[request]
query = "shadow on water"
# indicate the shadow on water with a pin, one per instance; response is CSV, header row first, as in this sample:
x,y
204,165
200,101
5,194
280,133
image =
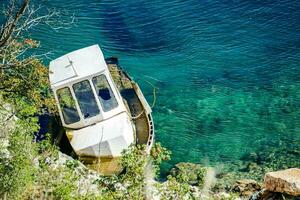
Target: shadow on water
x,y
133,27
51,125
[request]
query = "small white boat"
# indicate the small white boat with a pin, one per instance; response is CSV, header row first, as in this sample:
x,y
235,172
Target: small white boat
x,y
102,109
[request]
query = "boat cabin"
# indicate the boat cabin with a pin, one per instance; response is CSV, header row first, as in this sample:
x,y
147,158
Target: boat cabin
x,y
90,106
84,89
102,109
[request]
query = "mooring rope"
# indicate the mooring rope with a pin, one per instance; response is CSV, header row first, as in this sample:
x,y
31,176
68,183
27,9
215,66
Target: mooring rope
x,y
153,102
154,93
136,117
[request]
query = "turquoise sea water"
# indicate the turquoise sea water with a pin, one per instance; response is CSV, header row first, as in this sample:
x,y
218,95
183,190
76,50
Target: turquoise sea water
x,y
227,73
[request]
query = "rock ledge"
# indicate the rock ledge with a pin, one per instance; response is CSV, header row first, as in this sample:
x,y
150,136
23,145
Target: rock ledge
x,y
285,181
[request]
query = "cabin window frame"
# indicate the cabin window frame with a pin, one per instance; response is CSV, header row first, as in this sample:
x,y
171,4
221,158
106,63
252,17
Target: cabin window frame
x,y
102,115
111,93
62,109
81,109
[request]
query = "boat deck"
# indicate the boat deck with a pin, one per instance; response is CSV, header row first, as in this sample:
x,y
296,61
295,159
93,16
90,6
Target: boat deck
x,y
139,110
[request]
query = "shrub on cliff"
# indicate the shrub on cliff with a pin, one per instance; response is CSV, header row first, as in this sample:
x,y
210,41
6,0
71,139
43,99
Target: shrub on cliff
x,y
190,173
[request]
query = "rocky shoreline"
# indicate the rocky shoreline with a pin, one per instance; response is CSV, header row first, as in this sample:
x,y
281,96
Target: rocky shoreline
x,y
204,183
283,184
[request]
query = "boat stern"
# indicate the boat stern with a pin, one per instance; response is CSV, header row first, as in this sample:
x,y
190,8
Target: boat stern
x,y
106,139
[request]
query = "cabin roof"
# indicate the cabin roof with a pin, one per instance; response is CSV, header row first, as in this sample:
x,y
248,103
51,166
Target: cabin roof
x,y
77,64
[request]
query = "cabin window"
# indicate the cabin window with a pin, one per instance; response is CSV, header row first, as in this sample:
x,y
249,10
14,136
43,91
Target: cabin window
x,y
67,105
86,99
104,92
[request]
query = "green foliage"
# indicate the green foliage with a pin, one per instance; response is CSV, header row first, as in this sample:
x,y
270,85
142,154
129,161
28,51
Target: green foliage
x,y
131,182
23,76
26,79
28,172
60,182
133,161
190,173
159,154
17,171
231,196
72,164
174,190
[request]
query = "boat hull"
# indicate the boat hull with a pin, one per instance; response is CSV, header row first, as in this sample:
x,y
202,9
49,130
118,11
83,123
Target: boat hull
x,y
137,104
138,112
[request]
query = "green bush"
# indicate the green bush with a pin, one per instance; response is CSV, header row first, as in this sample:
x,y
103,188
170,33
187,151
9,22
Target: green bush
x,y
17,171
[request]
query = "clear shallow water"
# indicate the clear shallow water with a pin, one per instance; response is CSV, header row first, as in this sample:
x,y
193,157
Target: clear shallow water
x,y
227,72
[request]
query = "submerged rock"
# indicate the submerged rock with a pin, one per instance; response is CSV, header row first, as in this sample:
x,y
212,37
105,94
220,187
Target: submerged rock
x,y
252,157
285,181
252,166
